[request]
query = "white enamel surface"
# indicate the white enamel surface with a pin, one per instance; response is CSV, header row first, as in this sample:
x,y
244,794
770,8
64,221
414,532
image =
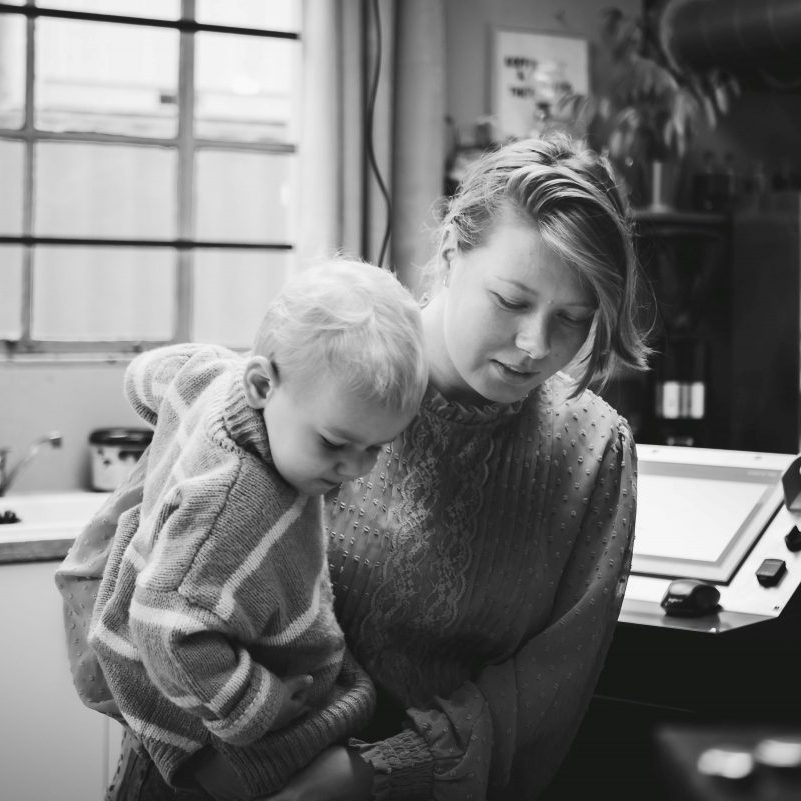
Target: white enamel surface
x,y
48,515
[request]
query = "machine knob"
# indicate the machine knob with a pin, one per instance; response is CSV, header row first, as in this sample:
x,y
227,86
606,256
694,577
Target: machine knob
x,y
793,539
771,572
690,598
791,484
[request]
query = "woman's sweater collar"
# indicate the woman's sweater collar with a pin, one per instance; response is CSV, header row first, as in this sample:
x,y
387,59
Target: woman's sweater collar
x,y
464,413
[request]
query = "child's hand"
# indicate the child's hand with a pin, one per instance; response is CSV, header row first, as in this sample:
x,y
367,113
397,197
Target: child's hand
x,y
297,688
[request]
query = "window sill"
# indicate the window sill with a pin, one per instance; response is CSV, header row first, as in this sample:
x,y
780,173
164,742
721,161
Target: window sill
x,y
39,359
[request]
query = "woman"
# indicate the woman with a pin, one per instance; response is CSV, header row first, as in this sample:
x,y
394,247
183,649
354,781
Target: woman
x,y
480,568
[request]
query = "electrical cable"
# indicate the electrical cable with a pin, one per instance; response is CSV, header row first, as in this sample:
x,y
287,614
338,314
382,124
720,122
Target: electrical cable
x,y
370,112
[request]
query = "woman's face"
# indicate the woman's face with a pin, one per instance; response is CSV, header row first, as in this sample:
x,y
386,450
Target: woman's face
x,y
511,315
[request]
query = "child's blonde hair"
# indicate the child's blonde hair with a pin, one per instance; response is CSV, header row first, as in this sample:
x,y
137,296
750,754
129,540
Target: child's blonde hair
x,y
354,321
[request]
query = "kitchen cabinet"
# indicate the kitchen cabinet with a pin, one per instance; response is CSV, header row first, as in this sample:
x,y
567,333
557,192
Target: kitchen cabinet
x,y
52,748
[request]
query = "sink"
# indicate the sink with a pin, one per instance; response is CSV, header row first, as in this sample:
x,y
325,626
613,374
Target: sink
x,y
48,515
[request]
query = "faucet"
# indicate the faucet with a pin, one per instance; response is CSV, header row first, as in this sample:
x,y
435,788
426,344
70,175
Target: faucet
x,y
8,475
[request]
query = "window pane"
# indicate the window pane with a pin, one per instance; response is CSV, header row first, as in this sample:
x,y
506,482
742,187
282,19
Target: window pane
x,y
246,87
103,293
12,160
94,76
275,15
158,9
105,190
232,292
12,70
243,196
10,291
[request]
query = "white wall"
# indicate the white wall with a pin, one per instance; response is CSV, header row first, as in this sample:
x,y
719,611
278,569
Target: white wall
x,y
469,25
73,399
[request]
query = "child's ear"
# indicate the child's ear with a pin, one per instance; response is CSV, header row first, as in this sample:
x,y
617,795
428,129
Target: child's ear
x,y
260,379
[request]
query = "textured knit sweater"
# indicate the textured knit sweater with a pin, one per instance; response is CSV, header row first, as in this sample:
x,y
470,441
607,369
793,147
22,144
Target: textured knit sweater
x,y
217,585
478,573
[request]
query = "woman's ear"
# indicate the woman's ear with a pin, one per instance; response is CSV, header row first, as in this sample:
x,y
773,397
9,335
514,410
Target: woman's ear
x,y
448,246
260,379
447,253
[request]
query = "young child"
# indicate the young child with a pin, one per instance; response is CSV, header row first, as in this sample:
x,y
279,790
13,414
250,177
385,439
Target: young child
x,y
213,624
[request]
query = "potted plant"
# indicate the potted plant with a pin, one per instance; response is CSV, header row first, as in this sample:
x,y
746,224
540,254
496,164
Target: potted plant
x,y
646,110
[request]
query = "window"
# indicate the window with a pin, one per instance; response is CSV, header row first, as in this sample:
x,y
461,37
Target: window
x,y
148,157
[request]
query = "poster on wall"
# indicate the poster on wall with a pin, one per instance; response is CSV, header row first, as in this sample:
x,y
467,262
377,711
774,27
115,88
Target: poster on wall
x,y
530,71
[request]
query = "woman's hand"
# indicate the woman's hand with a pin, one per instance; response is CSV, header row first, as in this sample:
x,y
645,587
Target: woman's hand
x,y
337,774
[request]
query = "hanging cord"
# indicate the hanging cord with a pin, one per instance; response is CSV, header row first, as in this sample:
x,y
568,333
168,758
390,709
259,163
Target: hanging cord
x,y
371,159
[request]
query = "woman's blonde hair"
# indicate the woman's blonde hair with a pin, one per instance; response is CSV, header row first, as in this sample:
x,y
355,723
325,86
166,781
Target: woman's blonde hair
x,y
571,195
353,321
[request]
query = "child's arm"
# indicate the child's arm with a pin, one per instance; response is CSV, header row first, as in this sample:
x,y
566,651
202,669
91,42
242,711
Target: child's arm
x,y
192,656
189,629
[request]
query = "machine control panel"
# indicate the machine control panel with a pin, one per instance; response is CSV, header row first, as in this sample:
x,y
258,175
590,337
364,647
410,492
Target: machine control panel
x,y
717,541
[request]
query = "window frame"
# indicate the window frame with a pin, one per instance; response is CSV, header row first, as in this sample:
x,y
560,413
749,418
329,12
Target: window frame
x,y
185,143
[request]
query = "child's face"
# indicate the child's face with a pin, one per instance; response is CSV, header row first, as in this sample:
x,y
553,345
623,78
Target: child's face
x,y
321,434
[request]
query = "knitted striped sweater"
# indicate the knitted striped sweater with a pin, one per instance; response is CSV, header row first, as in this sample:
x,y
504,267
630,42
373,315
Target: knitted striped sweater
x,y
216,585
478,573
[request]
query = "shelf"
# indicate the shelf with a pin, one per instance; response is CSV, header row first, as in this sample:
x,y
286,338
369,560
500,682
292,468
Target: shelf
x,y
680,223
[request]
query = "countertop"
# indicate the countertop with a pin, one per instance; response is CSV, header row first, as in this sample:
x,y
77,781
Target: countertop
x,y
34,550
